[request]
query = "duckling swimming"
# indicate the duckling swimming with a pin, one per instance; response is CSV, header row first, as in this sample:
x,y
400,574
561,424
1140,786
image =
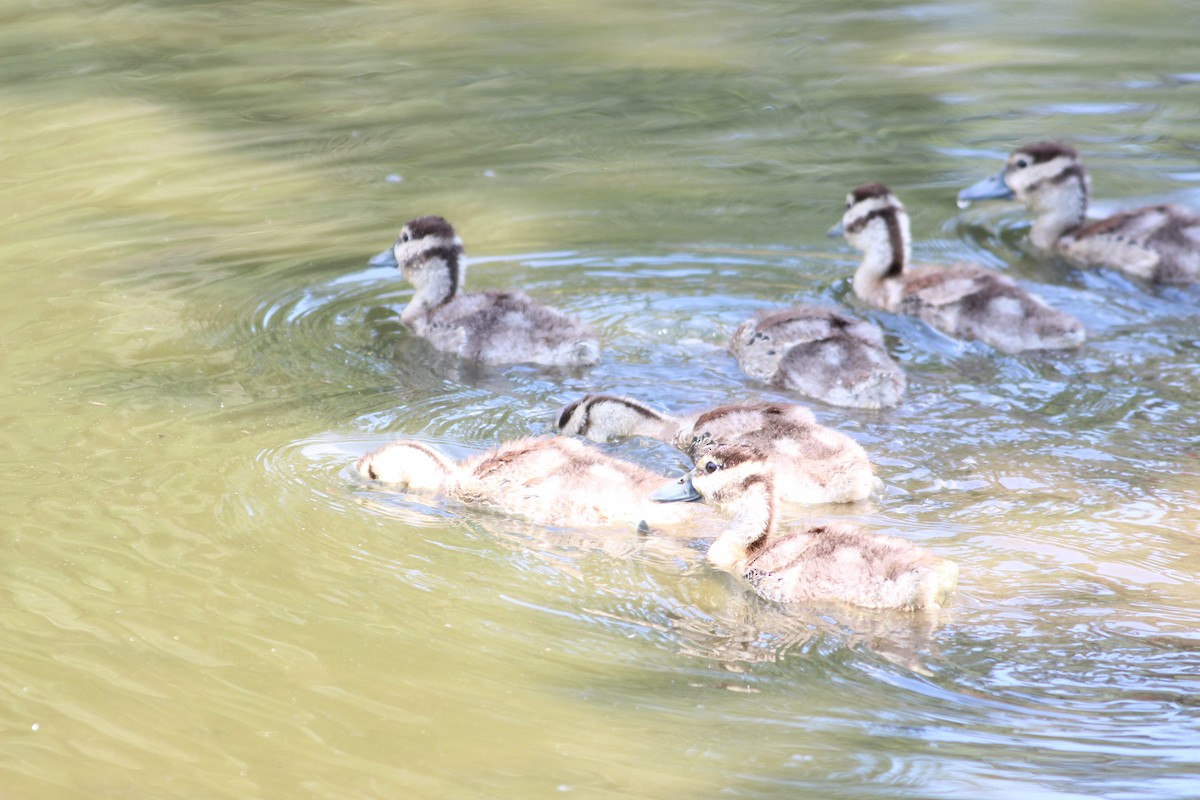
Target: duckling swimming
x,y
494,327
820,353
813,464
1156,243
965,301
548,481
833,561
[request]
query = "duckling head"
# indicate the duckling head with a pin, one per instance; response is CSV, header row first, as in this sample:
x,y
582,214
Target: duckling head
x,y
1046,177
875,222
429,255
737,480
412,466
601,417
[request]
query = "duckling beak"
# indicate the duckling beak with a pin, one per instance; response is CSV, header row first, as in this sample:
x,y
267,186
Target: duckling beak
x,y
836,231
993,188
677,491
385,259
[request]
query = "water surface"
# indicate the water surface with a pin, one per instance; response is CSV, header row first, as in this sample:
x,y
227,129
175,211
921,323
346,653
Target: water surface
x,y
199,599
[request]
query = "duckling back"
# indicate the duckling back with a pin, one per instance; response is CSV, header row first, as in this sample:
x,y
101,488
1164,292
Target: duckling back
x,y
971,303
821,354
505,327
812,463
842,562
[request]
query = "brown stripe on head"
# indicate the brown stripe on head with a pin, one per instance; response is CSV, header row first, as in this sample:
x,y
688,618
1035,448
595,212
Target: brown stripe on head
x,y
731,455
1041,152
423,227
449,254
569,411
1074,171
768,484
869,190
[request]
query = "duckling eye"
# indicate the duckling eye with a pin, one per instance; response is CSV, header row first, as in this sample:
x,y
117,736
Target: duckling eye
x,y
712,466
1021,163
404,236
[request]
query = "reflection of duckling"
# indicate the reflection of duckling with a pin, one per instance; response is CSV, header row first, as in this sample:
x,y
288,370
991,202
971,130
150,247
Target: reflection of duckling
x,y
1156,243
834,561
495,327
552,481
814,464
965,301
820,353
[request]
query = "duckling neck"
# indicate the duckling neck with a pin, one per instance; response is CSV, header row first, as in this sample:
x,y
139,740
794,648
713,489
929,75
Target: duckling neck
x,y
875,280
437,280
752,524
1059,212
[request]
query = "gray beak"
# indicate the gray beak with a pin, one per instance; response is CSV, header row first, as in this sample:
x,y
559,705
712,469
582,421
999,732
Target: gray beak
x,y
836,231
993,188
385,259
677,491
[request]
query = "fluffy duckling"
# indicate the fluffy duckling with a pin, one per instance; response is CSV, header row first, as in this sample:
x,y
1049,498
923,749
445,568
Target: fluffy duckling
x,y
965,301
813,464
829,562
822,354
548,481
494,327
1156,243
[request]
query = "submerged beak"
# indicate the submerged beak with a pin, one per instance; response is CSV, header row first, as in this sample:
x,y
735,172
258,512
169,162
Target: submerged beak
x,y
385,259
677,491
836,231
993,188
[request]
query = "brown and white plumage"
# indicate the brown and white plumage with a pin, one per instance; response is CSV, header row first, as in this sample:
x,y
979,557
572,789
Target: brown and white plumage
x,y
827,562
1158,243
494,327
813,463
548,481
820,353
965,301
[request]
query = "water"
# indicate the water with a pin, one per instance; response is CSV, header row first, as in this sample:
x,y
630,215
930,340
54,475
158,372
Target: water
x,y
200,600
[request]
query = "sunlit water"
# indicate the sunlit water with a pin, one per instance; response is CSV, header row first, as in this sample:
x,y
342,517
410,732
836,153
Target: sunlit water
x,y
200,598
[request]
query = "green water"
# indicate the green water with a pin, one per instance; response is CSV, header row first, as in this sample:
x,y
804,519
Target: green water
x,y
198,599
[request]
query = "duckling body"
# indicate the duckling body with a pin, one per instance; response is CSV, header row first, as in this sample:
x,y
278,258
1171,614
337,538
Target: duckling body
x,y
813,463
493,327
548,481
1158,243
965,301
829,562
822,354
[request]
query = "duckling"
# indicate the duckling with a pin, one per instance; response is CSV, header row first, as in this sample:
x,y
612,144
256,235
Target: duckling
x,y
1159,243
828,562
548,481
965,301
819,353
494,327
814,464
